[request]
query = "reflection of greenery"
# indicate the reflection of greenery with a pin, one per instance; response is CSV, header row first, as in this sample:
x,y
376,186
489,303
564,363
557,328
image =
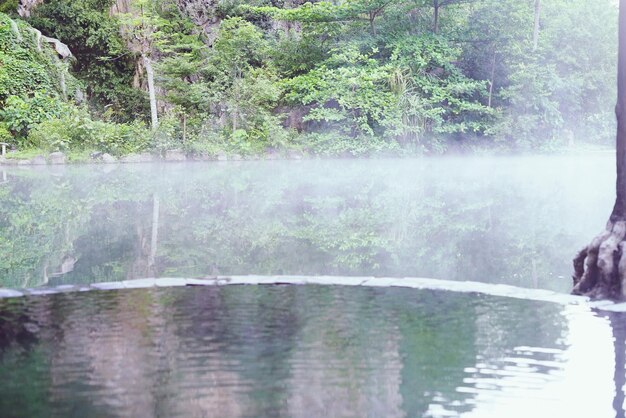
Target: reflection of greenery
x,y
360,218
23,395
359,350
38,225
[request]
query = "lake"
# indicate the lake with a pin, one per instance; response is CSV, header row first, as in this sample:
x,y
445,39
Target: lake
x,y
514,220
309,351
305,351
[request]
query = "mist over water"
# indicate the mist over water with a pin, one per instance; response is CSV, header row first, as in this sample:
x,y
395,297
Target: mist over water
x,y
310,351
515,220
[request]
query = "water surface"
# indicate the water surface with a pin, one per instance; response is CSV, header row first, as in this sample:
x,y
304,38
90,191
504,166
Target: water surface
x,y
515,220
306,351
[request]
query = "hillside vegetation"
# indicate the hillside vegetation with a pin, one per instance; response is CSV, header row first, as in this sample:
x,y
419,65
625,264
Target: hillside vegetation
x,y
350,77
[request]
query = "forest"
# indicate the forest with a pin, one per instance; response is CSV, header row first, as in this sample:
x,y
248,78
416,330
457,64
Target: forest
x,y
281,77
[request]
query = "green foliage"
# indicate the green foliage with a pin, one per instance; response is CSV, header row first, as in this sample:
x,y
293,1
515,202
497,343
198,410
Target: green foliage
x,y
8,6
231,85
184,59
5,133
563,89
103,59
434,94
354,77
417,91
330,144
349,95
168,135
24,68
20,115
325,11
76,130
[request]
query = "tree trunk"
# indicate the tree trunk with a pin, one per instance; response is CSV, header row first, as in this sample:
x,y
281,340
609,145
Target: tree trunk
x,y
536,30
619,210
493,76
152,92
184,127
372,16
436,16
155,230
599,268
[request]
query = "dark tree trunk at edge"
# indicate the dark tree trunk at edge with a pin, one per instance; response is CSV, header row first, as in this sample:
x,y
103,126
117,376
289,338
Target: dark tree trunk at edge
x,y
619,211
600,268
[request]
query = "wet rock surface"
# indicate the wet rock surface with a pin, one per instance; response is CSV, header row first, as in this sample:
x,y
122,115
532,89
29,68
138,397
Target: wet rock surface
x,y
57,158
108,158
39,160
137,158
409,282
175,155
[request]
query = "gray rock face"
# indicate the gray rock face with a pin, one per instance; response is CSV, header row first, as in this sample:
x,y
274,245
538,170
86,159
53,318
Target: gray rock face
x,y
8,161
25,7
294,155
202,13
39,160
61,49
175,155
120,7
202,157
57,158
108,158
272,155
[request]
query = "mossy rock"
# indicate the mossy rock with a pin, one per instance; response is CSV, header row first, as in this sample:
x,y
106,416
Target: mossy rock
x,y
26,67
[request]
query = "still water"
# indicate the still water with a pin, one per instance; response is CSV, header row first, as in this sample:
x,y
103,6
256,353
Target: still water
x,y
515,220
306,351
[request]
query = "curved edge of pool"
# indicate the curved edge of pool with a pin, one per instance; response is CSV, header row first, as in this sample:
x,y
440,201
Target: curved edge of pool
x,y
406,282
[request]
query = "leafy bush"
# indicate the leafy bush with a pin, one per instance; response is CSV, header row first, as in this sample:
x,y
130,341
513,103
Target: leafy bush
x,y
76,130
25,67
330,145
19,114
103,59
168,135
5,134
8,6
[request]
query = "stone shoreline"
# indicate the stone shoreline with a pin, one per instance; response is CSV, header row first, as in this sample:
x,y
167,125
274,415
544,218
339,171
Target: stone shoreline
x,y
408,282
59,158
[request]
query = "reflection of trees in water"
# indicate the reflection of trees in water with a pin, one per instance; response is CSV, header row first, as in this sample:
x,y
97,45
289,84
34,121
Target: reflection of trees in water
x,y
356,218
261,351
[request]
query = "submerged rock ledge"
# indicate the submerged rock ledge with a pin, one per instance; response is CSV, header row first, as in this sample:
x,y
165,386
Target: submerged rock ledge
x,y
407,282
169,156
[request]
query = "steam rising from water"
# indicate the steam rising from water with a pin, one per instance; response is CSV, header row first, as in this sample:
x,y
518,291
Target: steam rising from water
x,y
514,220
